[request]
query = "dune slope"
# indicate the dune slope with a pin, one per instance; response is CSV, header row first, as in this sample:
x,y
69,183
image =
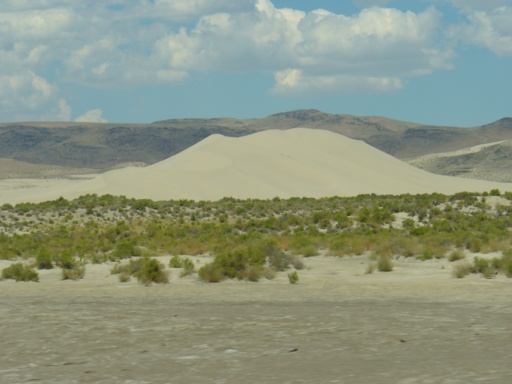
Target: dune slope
x,y
297,162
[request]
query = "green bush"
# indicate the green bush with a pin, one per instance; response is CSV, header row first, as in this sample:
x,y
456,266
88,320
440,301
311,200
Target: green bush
x,y
20,272
253,273
427,254
125,249
188,267
151,271
76,272
65,260
277,259
480,265
211,273
132,268
293,277
176,262
44,259
246,262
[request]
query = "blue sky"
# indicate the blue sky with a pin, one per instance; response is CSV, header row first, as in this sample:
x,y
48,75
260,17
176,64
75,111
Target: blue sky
x,y
431,61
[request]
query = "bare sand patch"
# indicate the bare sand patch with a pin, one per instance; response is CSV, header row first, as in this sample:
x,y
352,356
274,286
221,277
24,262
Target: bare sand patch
x,y
298,162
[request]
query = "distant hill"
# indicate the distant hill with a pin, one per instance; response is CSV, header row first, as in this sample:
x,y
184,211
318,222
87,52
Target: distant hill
x,y
104,146
487,162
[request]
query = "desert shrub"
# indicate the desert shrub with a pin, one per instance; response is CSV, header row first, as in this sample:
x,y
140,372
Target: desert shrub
x,y
211,273
125,249
338,247
151,271
247,262
432,252
253,273
20,272
65,260
117,269
461,269
496,265
293,277
304,245
456,255
176,262
507,268
384,264
505,264
278,260
44,260
233,264
131,268
98,258
125,271
76,272
188,267
427,254
474,245
489,272
480,265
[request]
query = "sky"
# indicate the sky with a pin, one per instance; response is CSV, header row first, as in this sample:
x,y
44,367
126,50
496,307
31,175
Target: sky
x,y
444,62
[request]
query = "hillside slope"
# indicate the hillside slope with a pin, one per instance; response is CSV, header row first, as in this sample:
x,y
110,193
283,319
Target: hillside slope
x,y
487,162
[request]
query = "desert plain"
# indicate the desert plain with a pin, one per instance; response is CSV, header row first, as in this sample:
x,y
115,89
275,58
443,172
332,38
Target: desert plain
x,y
339,324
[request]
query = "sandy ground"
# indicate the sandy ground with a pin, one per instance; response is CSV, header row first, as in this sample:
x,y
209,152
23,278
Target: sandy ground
x,y
290,163
416,324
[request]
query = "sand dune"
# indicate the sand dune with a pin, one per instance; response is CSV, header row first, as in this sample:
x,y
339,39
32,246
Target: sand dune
x,y
296,162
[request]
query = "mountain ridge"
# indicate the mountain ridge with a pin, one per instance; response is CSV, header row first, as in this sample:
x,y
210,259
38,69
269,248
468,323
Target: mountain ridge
x,y
102,146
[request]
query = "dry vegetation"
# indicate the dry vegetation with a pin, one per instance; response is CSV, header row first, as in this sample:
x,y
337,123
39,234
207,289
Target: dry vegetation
x,y
254,239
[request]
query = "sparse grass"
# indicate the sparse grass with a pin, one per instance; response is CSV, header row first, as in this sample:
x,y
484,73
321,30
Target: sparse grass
x,y
20,272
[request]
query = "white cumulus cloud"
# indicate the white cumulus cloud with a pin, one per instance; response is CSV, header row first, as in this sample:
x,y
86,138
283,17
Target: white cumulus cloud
x,y
491,29
23,94
376,48
45,44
